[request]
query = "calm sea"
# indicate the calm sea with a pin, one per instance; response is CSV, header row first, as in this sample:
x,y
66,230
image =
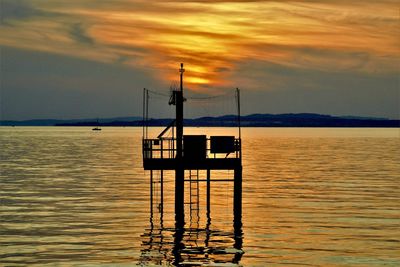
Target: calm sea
x,y
311,197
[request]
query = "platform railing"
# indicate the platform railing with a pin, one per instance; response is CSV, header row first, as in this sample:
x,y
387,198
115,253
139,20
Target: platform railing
x,y
165,148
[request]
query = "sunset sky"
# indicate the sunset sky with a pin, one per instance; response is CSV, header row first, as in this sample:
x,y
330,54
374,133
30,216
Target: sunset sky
x,y
92,58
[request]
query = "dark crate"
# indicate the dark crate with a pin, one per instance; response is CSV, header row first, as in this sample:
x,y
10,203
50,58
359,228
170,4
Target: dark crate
x,y
194,147
222,144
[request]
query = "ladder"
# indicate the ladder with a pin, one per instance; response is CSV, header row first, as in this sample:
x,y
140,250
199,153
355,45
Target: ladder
x,y
193,233
194,195
156,191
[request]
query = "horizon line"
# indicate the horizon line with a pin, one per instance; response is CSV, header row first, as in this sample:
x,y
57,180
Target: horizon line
x,y
198,117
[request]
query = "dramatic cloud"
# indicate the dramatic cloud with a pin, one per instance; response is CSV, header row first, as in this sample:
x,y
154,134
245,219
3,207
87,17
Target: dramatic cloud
x,y
215,39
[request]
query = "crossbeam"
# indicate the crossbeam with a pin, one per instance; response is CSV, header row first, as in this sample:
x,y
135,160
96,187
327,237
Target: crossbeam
x,y
213,180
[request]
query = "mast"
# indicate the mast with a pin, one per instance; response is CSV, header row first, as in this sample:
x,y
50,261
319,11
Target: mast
x,y
238,111
179,115
179,170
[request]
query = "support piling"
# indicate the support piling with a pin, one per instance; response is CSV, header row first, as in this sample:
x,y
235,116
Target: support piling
x,y
237,197
208,191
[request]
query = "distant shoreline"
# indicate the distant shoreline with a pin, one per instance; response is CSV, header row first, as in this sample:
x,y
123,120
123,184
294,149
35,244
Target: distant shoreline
x,y
301,120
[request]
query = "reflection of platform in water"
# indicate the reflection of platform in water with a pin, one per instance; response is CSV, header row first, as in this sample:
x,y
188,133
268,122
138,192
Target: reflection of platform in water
x,y
192,246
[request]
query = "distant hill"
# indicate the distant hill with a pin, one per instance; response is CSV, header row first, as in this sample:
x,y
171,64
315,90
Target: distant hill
x,y
253,120
53,122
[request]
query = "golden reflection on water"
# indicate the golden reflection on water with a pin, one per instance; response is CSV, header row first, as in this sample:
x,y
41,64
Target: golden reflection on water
x,y
323,197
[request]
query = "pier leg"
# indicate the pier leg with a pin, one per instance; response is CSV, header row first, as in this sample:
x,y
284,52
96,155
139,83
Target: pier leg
x,y
208,233
179,170
179,197
237,221
208,192
178,246
238,237
237,198
151,191
162,191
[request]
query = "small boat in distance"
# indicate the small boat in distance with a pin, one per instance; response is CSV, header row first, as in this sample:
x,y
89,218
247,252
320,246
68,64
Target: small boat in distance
x,y
97,128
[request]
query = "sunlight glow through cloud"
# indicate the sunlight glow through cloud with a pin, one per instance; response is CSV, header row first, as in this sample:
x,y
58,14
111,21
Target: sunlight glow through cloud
x,y
212,37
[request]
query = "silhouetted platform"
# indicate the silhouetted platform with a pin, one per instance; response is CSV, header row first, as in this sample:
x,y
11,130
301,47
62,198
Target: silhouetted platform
x,y
200,153
187,154
206,164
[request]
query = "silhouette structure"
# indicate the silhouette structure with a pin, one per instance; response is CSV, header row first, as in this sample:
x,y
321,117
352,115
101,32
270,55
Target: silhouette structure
x,y
188,154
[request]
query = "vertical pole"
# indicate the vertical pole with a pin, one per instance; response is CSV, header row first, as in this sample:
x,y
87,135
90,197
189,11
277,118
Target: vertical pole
x,y
162,191
208,192
237,187
178,246
147,112
179,115
239,124
179,170
238,237
151,191
173,143
237,197
161,147
238,109
144,152
237,221
144,108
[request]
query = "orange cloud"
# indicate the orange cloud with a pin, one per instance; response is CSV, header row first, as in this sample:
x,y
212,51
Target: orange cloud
x,y
211,37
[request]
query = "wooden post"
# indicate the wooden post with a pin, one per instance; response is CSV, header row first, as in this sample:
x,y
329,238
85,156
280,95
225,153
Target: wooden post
x,y
178,246
208,191
238,237
144,111
179,170
237,197
161,148
151,191
162,191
